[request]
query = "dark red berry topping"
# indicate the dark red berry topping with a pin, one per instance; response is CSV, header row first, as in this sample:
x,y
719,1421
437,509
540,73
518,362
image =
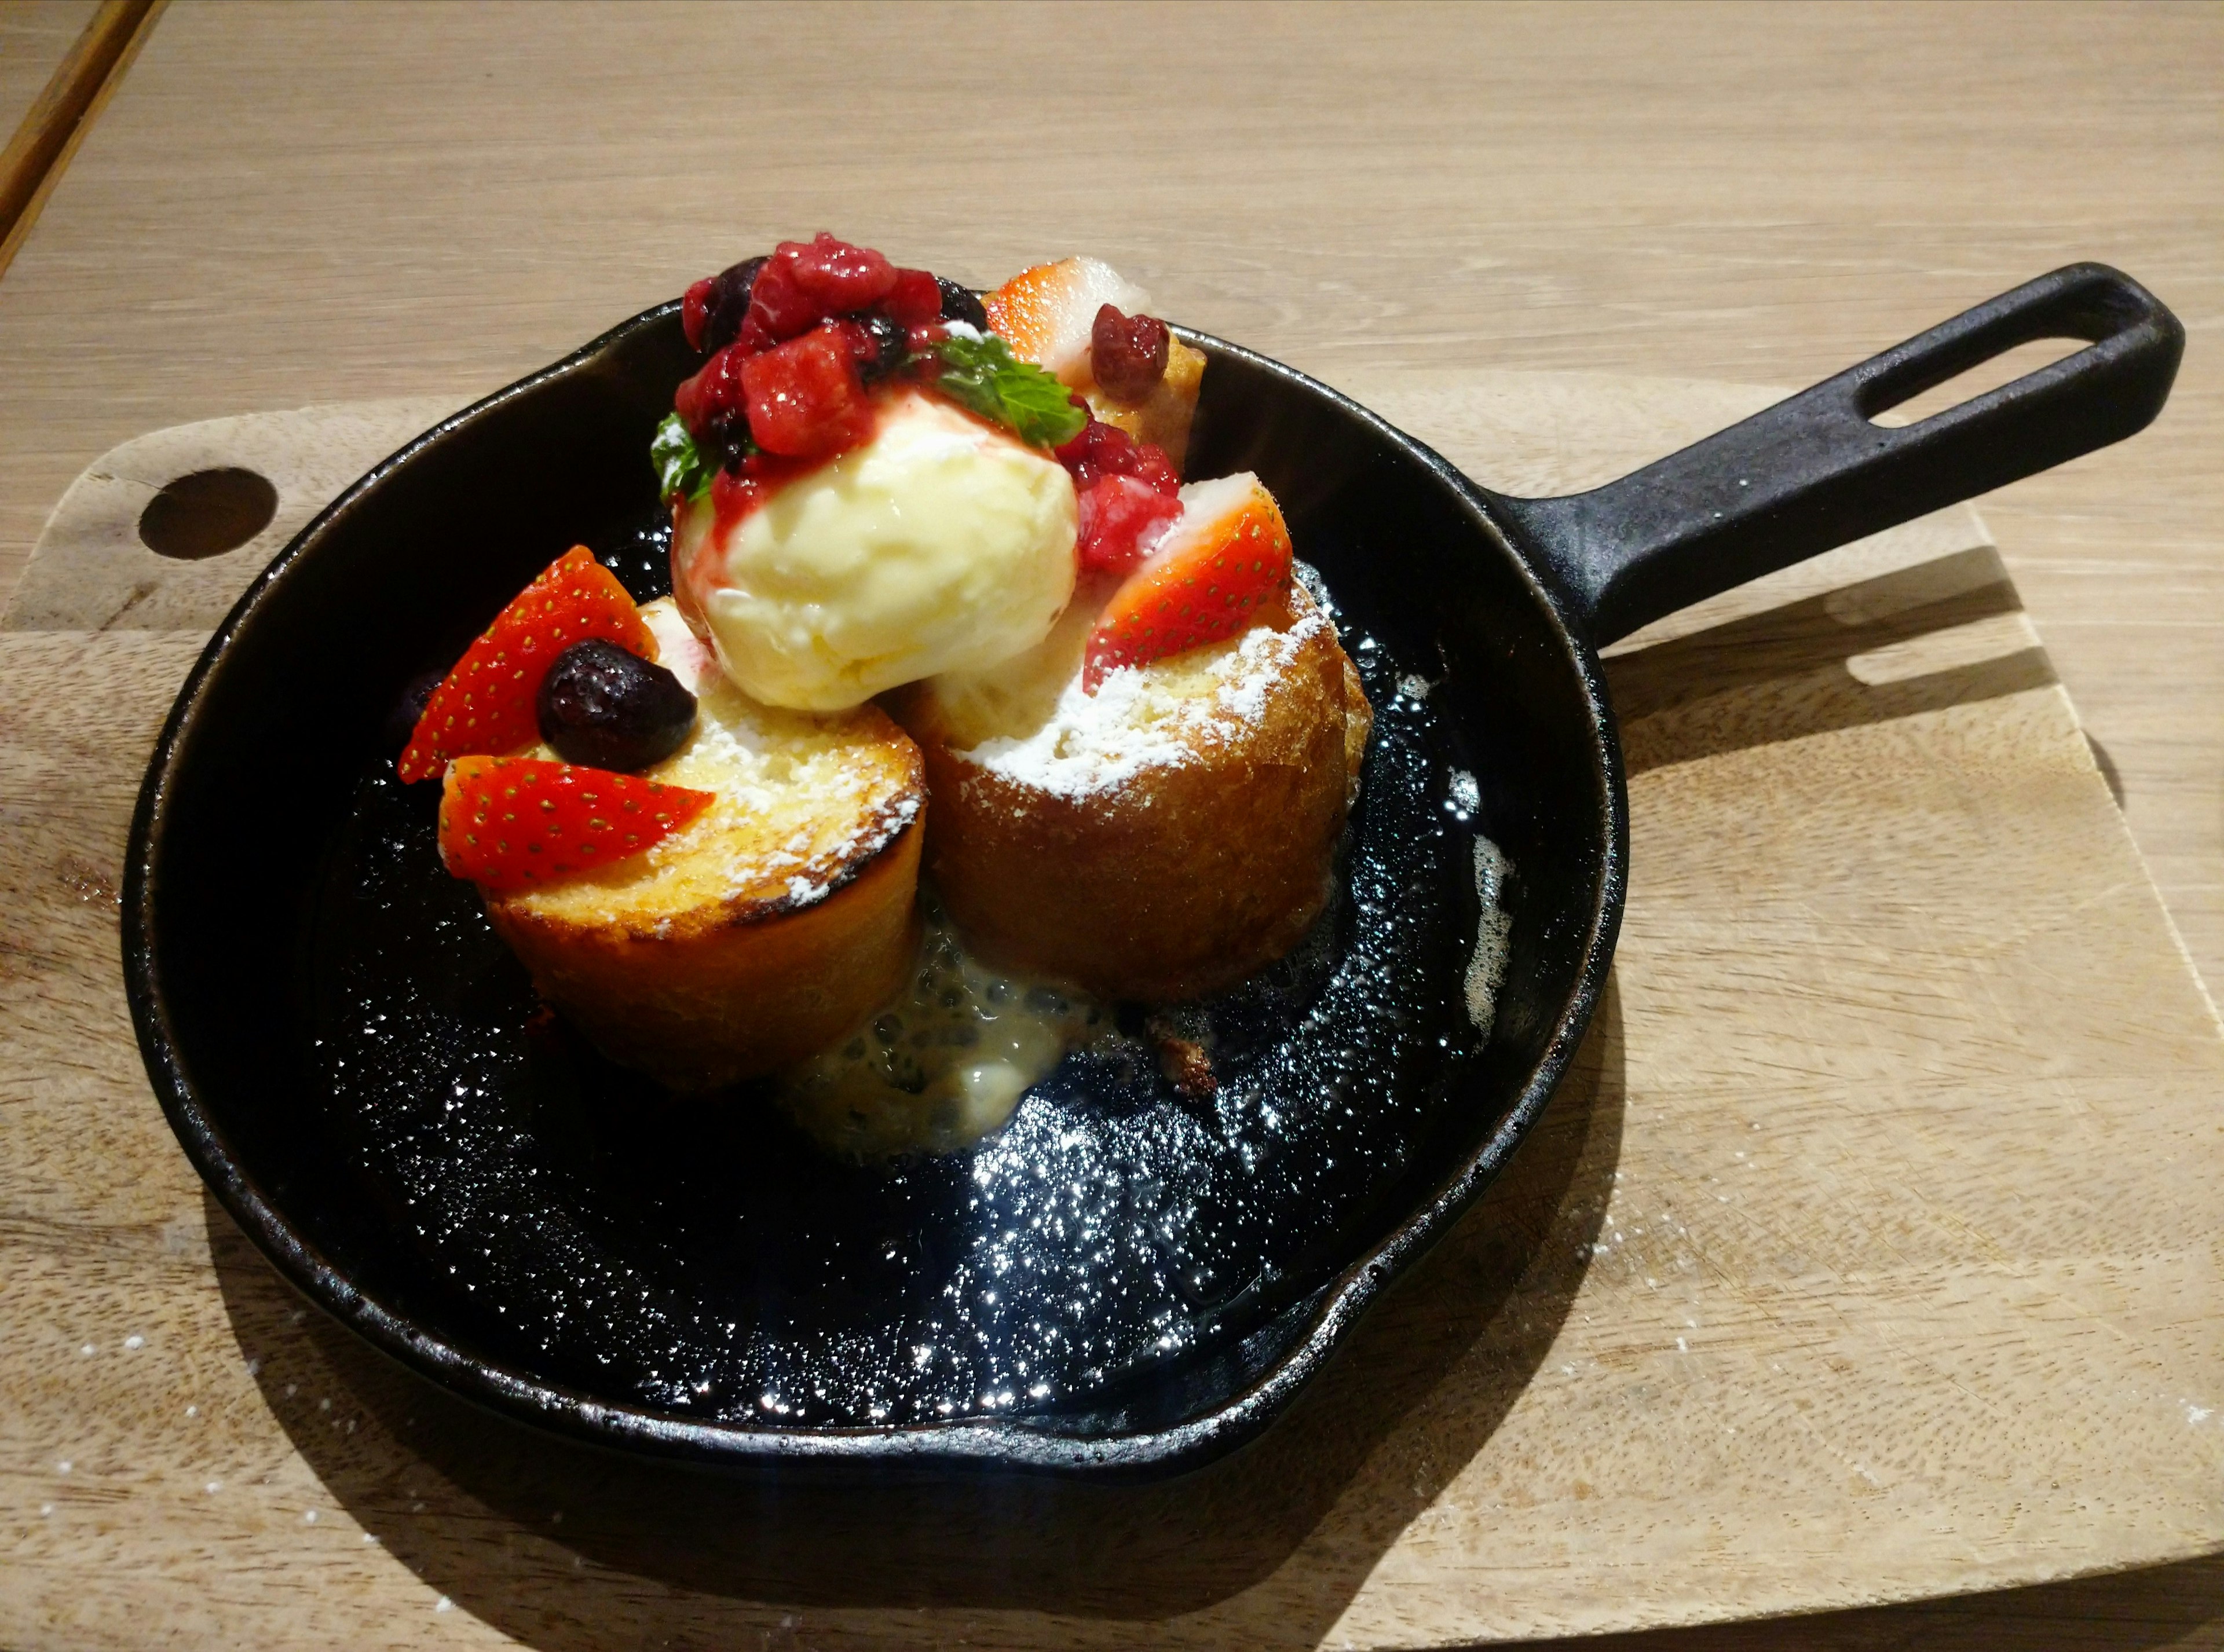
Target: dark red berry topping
x,y
715,306
914,299
1103,450
1128,491
806,398
961,302
795,337
606,707
714,407
875,343
1127,354
1121,519
838,277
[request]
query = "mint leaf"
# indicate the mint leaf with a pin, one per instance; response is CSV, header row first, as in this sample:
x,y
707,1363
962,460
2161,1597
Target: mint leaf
x,y
981,373
679,463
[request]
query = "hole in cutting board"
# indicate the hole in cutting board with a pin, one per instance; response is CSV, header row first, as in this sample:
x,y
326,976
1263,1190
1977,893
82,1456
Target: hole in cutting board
x,y
207,514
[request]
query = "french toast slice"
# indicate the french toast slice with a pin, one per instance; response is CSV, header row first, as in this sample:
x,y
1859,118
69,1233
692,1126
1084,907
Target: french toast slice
x,y
774,923
1162,838
1045,314
1163,416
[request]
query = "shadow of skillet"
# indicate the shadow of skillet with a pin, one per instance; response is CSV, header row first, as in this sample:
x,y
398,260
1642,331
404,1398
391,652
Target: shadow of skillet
x,y
1805,668
2174,1605
565,1546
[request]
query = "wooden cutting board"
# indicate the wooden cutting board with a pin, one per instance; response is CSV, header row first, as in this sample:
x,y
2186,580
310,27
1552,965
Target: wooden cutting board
x,y
1870,1252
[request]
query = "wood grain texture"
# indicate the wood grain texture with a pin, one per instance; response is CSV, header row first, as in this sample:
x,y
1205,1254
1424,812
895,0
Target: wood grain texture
x,y
35,36
287,206
292,204
84,77
1866,1256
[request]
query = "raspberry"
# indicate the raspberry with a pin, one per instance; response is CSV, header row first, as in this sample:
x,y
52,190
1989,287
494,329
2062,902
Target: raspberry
x,y
1152,466
1127,354
691,309
1095,452
838,277
914,299
778,308
805,398
1102,450
1122,518
714,405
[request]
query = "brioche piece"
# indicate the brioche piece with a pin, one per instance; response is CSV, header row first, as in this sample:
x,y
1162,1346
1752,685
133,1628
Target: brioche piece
x,y
1161,839
1045,314
1163,416
775,923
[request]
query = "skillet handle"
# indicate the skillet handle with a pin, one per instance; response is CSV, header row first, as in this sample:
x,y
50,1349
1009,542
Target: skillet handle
x,y
1812,472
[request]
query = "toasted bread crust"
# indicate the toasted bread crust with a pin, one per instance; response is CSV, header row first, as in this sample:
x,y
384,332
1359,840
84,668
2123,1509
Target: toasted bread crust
x,y
1185,879
769,927
737,991
1163,416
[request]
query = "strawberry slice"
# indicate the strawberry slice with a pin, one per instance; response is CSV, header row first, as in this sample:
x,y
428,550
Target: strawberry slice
x,y
517,823
1227,554
485,704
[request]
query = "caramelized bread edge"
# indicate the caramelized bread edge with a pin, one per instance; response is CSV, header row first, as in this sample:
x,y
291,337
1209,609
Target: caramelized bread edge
x,y
731,1000
1184,881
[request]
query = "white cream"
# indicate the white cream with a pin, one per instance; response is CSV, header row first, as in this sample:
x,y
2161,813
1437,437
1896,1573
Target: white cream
x,y
939,545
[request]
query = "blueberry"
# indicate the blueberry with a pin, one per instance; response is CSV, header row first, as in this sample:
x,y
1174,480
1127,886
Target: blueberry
x,y
724,438
889,341
728,303
961,303
603,707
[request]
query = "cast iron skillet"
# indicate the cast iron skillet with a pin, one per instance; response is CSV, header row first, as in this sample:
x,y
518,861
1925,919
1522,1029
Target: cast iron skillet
x,y
246,928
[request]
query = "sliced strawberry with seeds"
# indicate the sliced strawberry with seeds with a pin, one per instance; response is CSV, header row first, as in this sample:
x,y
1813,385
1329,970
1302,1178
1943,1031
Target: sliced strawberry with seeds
x,y
1215,568
485,704
518,823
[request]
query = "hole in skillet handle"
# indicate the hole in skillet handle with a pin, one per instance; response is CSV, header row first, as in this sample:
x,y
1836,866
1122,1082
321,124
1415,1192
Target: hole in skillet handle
x,y
207,512
2008,367
1815,471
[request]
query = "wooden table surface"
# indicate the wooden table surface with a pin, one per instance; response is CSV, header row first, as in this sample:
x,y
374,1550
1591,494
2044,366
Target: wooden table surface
x,y
35,36
286,205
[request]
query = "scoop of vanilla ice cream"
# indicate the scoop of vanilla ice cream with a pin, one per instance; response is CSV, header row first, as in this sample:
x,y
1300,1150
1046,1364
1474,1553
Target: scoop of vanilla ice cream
x,y
939,545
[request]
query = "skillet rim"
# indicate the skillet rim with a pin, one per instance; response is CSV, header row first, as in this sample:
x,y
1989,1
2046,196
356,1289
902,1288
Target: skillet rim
x,y
934,1448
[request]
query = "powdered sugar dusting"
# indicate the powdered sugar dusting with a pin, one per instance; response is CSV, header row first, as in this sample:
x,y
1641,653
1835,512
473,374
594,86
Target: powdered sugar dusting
x,y
801,801
1094,743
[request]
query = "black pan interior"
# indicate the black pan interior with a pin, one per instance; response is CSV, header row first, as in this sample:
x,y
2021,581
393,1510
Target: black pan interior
x,y
358,1066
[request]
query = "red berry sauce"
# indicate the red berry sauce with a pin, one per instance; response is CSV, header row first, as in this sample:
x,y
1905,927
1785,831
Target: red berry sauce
x,y
799,338
1128,491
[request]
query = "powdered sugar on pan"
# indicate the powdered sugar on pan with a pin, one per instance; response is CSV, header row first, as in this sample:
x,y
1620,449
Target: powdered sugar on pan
x,y
704,1259
1094,743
